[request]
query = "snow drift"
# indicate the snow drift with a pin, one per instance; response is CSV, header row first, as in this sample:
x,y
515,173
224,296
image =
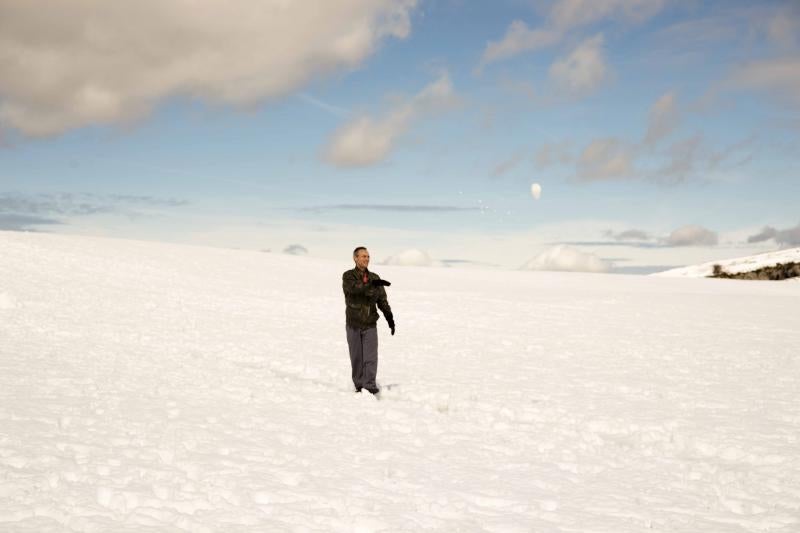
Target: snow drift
x,y
567,259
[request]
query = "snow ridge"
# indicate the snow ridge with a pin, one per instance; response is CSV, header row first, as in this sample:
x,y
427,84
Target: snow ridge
x,y
736,265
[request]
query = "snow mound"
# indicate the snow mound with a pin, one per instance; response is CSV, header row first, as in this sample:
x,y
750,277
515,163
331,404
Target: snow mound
x,y
567,259
734,266
296,249
412,257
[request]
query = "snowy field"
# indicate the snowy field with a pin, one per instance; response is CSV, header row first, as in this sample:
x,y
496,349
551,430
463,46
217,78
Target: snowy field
x,y
156,387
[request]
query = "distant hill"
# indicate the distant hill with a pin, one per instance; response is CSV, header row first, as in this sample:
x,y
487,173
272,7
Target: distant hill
x,y
739,265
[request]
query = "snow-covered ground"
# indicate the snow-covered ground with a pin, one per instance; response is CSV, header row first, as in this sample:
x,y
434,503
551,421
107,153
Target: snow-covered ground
x,y
153,387
736,265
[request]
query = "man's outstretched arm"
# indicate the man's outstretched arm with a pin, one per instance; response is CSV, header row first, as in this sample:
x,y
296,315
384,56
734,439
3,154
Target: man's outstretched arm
x,y
383,305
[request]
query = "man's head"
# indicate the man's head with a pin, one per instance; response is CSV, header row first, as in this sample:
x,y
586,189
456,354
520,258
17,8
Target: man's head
x,y
361,257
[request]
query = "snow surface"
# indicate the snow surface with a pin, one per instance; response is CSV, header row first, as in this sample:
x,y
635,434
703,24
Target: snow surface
x,y
156,387
736,265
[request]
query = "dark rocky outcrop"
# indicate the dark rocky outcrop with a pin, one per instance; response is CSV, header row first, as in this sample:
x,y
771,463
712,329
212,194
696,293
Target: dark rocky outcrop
x,y
777,272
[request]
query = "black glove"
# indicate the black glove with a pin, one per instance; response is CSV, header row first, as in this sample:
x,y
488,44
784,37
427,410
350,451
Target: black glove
x,y
379,283
390,320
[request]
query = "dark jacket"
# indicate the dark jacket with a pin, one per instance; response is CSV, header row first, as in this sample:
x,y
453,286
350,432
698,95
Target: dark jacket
x,y
361,300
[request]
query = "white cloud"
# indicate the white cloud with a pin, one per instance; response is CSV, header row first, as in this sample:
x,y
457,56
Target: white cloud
x,y
567,258
789,236
96,62
765,234
518,38
611,158
684,157
412,257
692,235
747,27
784,237
548,154
780,77
507,165
629,235
366,140
567,14
605,159
663,119
564,16
583,70
783,26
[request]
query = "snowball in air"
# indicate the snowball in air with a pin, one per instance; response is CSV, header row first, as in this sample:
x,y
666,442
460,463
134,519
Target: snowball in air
x,y
536,191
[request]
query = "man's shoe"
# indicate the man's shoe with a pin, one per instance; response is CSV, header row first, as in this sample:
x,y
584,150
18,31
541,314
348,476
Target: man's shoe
x,y
374,391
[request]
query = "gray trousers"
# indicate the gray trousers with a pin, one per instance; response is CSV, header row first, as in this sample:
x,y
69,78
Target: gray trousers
x,y
363,344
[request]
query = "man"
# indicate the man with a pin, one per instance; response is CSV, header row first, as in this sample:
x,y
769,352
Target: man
x,y
363,290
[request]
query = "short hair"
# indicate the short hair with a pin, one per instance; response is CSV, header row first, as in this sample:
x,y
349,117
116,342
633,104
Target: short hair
x,y
355,252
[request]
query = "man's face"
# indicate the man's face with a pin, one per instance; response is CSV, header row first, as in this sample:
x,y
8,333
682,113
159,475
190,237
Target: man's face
x,y
362,259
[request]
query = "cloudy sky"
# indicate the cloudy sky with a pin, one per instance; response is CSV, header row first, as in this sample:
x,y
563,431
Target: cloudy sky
x,y
662,132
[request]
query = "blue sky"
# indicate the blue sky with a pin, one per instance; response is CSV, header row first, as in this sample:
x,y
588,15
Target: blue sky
x,y
662,133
